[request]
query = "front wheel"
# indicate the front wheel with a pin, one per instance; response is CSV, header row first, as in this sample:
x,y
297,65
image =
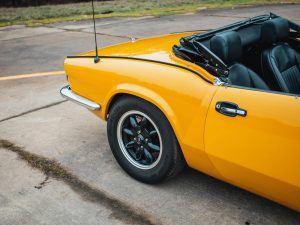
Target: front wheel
x,y
142,140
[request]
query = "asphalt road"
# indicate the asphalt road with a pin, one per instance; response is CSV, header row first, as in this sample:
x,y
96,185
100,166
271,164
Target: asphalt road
x,y
34,116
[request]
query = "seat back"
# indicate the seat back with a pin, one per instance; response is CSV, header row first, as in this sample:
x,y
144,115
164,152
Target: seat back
x,y
228,47
280,62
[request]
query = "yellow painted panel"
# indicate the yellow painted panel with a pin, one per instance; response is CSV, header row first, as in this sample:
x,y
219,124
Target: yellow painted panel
x,y
261,151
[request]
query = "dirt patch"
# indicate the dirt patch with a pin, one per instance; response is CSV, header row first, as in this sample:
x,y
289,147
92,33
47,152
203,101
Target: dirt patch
x,y
52,169
43,183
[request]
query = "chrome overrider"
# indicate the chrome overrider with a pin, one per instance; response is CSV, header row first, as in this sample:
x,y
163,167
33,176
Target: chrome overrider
x,y
67,93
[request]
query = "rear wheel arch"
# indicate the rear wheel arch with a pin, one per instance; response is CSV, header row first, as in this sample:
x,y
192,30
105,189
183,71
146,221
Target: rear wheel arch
x,y
117,97
156,100
112,101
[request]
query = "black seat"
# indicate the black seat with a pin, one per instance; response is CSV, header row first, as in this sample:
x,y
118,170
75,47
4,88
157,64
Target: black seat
x,y
228,47
280,62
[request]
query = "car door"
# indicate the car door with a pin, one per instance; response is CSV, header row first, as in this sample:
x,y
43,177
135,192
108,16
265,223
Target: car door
x,y
253,139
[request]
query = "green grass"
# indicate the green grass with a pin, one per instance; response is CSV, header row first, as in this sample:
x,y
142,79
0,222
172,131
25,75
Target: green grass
x,y
35,16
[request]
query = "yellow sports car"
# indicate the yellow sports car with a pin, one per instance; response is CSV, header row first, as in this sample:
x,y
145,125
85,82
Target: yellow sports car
x,y
224,102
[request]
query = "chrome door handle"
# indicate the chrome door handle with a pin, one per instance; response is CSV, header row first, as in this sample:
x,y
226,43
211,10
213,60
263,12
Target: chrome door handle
x,y
230,109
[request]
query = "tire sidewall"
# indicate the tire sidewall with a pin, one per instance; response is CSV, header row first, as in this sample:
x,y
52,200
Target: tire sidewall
x,y
161,170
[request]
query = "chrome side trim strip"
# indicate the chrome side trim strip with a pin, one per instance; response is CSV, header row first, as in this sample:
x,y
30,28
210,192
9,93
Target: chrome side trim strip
x,y
67,93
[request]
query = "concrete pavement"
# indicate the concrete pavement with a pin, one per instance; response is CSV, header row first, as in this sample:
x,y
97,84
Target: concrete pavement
x,y
68,133
25,201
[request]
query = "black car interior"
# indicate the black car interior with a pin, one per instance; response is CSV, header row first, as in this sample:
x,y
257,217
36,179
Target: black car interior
x,y
262,52
280,62
228,47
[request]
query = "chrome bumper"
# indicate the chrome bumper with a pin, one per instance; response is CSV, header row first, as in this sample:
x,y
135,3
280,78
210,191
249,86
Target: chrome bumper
x,y
67,93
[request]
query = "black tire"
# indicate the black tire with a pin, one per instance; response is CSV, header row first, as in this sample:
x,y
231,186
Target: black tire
x,y
171,161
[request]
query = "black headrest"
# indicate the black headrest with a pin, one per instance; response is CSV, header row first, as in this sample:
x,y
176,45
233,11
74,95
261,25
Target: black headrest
x,y
274,30
227,46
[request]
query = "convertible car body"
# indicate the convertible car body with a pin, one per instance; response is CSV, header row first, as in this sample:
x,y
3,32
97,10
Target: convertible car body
x,y
224,102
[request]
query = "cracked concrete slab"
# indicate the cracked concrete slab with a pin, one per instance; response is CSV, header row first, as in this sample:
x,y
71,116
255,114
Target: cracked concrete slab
x,y
46,53
54,203
32,110
77,139
34,53
18,96
287,11
23,32
53,170
162,25
84,24
206,19
82,148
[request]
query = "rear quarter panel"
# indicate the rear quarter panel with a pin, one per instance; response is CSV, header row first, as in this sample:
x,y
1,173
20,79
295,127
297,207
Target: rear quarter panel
x,y
181,95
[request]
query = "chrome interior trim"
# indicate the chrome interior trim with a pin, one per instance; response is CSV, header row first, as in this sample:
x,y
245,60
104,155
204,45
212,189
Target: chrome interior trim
x,y
218,82
67,93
